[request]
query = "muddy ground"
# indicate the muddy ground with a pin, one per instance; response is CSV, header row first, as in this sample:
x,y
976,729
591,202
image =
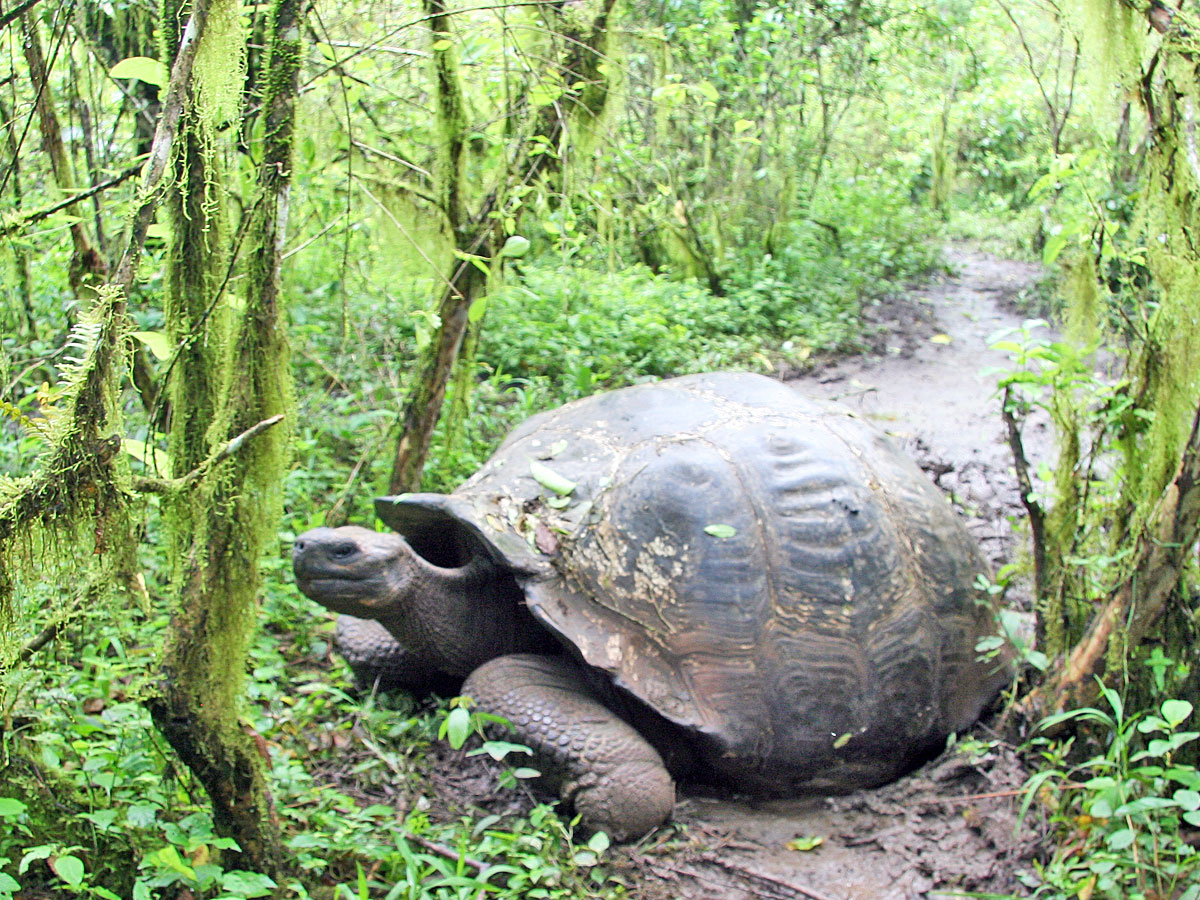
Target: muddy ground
x,y
951,827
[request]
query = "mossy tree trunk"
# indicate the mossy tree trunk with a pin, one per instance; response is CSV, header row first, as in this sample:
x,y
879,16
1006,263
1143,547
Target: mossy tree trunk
x,y
229,384
478,233
1141,634
77,496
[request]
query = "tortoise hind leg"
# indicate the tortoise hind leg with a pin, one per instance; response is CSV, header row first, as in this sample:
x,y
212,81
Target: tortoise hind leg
x,y
600,765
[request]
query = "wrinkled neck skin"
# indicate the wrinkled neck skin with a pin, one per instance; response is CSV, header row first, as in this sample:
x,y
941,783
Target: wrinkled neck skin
x,y
455,618
458,618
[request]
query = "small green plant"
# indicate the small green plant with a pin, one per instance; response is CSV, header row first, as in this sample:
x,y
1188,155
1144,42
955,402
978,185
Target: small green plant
x,y
461,722
1122,816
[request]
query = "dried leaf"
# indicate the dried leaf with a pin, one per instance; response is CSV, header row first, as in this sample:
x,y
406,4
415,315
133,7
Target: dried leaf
x,y
544,539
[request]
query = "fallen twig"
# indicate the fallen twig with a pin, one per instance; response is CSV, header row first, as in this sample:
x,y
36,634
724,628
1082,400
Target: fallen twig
x,y
446,853
771,880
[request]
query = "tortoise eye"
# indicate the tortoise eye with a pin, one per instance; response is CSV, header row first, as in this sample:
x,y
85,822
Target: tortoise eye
x,y
343,551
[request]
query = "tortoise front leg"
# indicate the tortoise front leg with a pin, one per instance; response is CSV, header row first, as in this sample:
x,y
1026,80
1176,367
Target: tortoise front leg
x,y
600,765
380,662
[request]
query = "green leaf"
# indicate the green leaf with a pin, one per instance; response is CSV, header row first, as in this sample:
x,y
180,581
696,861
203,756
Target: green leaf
x,y
805,843
720,531
10,808
497,750
458,727
526,772
103,819
156,342
8,884
247,884
549,479
1144,804
143,68
599,842
69,869
32,854
706,90
441,46
1187,799
167,857
842,741
1120,840
543,94
476,310
515,247
1176,711
141,815
1053,247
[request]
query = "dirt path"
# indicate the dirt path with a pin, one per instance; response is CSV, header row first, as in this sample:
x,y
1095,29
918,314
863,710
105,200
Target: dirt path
x,y
929,386
950,826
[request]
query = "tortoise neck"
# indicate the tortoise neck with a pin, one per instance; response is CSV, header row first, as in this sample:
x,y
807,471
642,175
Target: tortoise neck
x,y
460,617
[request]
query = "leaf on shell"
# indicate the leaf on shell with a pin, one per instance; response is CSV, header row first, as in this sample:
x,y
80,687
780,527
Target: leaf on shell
x,y
719,530
941,339
549,479
545,539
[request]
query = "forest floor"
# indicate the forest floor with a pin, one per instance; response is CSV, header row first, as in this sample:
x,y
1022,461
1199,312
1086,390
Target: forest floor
x,y
952,827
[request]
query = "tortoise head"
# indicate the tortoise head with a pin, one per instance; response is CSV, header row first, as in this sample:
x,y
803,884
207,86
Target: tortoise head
x,y
355,570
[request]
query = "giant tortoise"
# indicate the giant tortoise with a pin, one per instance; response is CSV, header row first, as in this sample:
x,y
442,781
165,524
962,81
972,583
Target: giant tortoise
x,y
710,576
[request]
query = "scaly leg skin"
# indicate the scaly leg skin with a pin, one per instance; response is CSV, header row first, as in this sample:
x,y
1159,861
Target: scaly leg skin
x,y
600,765
381,662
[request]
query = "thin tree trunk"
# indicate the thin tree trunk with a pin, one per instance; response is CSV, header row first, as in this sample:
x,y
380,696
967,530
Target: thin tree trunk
x,y
88,268
1133,609
476,236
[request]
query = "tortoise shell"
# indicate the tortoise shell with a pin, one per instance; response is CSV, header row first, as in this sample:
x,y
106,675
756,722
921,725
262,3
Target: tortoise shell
x,y
770,575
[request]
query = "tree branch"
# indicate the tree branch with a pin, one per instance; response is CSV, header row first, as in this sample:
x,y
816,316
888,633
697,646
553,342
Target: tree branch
x,y
16,12
46,211
1163,553
230,447
160,147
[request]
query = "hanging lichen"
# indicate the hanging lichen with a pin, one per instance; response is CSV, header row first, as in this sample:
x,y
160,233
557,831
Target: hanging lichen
x,y
66,522
220,73
230,387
